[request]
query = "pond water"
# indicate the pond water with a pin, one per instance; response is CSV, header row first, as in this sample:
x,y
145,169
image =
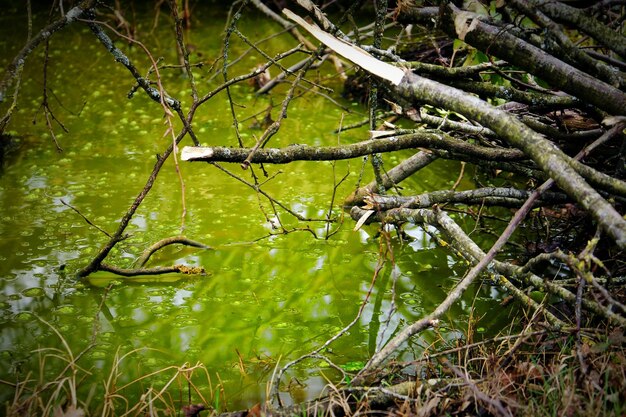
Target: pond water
x,y
264,300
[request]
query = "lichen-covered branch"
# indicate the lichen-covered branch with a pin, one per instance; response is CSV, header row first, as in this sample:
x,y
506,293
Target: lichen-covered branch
x,y
508,197
501,43
580,19
470,251
426,138
545,154
161,270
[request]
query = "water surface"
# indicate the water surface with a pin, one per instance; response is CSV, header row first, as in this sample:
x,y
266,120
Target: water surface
x,y
264,300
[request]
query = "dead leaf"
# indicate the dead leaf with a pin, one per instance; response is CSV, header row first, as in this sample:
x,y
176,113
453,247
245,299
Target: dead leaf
x,y
430,406
462,26
617,337
192,410
613,120
70,411
255,410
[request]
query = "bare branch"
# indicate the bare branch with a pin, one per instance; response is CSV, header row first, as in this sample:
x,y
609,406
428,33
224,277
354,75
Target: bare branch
x,y
152,271
425,138
182,240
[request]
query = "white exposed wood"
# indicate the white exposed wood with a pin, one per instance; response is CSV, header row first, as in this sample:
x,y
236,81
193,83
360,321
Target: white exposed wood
x,y
375,134
363,219
351,52
190,153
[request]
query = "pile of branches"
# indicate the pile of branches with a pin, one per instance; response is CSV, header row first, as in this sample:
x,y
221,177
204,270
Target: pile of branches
x,y
531,88
555,119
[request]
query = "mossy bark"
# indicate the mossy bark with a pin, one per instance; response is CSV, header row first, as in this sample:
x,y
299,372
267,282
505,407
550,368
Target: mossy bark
x,y
425,138
545,154
499,42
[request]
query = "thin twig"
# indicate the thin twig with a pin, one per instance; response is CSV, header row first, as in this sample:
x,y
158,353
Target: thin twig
x,y
84,217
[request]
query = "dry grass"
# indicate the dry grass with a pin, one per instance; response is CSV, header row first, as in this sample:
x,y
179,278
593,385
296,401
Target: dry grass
x,y
533,373
539,373
57,395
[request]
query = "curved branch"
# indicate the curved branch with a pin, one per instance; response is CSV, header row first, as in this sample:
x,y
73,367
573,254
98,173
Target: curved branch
x,y
96,262
145,256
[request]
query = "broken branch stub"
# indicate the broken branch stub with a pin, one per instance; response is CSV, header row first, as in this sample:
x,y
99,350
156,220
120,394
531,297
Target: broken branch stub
x,y
351,52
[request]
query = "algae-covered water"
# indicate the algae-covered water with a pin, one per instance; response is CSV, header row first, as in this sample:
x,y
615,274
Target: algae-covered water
x,y
264,300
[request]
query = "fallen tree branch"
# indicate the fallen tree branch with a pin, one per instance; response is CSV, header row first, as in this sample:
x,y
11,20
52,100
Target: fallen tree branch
x,y
443,222
473,253
152,271
395,175
507,46
545,154
425,138
564,48
470,251
15,67
155,94
510,197
522,168
13,71
582,21
441,123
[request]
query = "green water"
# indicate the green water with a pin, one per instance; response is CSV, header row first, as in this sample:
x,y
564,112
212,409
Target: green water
x,y
263,302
